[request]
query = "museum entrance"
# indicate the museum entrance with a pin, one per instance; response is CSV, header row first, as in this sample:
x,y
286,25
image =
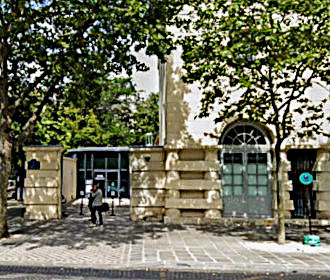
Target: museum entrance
x,y
107,166
109,181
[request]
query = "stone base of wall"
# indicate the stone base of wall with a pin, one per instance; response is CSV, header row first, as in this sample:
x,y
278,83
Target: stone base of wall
x,y
183,186
321,184
192,186
147,184
301,223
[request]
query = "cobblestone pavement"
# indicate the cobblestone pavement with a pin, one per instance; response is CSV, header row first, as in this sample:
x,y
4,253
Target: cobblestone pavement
x,y
122,244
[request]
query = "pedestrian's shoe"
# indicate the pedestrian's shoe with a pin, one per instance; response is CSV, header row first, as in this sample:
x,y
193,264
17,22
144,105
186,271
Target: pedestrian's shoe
x,y
92,225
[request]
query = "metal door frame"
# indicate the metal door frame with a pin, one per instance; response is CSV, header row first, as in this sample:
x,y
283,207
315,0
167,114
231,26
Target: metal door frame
x,y
244,150
105,172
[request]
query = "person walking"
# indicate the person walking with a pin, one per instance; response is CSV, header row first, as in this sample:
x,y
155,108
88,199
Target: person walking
x,y
96,205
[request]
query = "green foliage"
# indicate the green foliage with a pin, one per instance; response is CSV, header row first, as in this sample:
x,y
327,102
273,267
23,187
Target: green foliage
x,y
258,58
55,50
59,51
119,118
146,118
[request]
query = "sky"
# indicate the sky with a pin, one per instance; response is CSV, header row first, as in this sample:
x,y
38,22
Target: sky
x,y
147,81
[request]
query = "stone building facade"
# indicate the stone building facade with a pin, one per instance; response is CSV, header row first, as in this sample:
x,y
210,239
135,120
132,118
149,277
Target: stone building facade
x,y
205,172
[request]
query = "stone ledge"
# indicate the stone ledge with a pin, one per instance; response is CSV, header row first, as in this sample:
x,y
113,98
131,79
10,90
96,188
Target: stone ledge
x,y
190,203
142,165
42,196
190,220
146,149
42,212
321,186
193,165
194,185
42,173
143,199
322,205
41,182
147,213
147,180
147,156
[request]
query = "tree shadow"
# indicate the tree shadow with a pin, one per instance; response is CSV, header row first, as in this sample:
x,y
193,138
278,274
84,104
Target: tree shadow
x,y
261,233
75,231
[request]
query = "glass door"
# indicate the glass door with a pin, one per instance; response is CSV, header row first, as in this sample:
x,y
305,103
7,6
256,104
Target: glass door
x,y
100,179
246,190
113,183
233,194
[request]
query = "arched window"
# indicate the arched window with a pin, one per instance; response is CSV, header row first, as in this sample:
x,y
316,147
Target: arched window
x,y
244,134
245,159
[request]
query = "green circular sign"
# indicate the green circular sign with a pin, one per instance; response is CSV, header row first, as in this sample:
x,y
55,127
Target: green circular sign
x,y
306,178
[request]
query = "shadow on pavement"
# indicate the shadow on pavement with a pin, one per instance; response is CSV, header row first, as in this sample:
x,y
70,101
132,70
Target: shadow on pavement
x,y
75,232
260,233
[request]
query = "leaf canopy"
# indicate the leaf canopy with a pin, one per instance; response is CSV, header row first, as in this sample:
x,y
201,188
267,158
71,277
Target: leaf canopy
x,y
256,59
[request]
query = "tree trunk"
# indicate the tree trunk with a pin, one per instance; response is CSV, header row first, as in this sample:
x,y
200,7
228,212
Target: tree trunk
x,y
280,197
5,166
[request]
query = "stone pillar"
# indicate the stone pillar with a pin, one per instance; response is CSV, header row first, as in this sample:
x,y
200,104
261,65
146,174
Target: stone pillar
x,y
172,179
43,182
213,194
321,184
147,184
286,184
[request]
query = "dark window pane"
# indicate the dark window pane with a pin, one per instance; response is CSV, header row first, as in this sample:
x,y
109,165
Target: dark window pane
x,y
262,158
237,158
232,158
99,161
112,162
124,161
89,161
81,178
227,158
252,158
89,175
257,158
81,161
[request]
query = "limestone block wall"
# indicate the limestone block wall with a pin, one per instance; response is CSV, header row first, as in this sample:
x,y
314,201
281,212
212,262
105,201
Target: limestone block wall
x,y
69,186
285,168
287,184
322,184
43,182
147,183
192,185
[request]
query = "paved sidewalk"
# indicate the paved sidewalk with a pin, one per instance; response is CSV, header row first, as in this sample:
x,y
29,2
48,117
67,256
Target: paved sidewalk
x,y
123,244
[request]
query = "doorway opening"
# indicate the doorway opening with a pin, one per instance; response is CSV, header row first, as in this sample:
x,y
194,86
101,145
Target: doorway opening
x,y
303,196
107,166
246,173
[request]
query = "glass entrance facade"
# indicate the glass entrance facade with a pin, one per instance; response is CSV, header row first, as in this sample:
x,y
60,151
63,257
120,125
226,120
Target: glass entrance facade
x,y
108,166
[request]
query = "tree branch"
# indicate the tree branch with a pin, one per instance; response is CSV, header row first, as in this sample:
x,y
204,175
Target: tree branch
x,y
27,91
272,94
294,87
28,127
301,92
